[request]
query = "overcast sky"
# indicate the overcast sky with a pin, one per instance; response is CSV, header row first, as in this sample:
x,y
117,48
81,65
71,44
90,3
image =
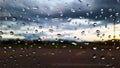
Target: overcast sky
x,y
79,20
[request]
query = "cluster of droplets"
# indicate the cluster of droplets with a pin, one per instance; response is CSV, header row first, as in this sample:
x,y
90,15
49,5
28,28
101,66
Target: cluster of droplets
x,y
10,51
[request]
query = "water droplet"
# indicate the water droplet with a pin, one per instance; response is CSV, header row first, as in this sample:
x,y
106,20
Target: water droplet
x,y
70,51
96,17
116,14
35,8
74,43
86,43
6,18
5,48
59,35
101,13
11,32
101,10
11,57
103,35
94,48
69,19
105,18
91,12
36,31
110,49
113,58
79,9
40,27
51,30
61,13
52,53
98,35
39,47
53,43
33,52
13,50
64,46
105,26
94,24
20,55
5,64
108,65
88,5
14,19
98,31
1,33
94,56
109,36
9,47
55,19
117,48
87,14
110,10
102,58
75,36
23,9
73,10
111,16
83,32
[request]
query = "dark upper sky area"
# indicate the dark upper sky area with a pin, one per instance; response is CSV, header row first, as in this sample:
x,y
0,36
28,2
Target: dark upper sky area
x,y
49,18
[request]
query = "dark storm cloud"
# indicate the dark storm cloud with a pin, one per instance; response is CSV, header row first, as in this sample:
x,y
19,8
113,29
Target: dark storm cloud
x,y
50,13
105,8
74,9
32,11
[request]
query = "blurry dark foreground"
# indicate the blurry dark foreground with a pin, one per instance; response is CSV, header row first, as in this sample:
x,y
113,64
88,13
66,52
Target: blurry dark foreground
x,y
58,58
59,54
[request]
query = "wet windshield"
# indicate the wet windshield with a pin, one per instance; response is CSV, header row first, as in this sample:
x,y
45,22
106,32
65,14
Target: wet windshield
x,y
68,33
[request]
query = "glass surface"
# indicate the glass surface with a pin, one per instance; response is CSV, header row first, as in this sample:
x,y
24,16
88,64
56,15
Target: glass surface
x,y
59,33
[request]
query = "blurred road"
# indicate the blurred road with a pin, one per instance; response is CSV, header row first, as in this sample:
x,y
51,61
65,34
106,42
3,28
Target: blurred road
x,y
58,58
